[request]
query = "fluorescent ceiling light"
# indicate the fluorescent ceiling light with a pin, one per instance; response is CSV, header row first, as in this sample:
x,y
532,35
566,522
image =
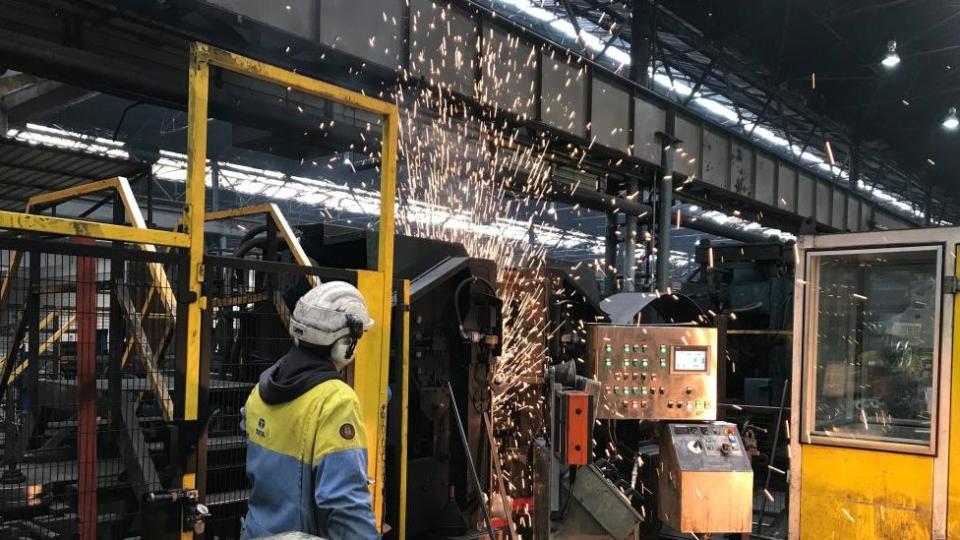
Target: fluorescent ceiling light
x,y
951,122
892,59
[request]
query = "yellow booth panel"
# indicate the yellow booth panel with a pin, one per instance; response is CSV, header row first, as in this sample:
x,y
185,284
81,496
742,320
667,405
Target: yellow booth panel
x,y
862,494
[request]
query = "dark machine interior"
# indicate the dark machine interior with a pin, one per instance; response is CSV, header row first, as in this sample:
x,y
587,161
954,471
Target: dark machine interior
x,y
455,334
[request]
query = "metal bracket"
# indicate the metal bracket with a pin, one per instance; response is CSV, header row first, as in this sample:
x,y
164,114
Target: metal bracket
x,y
951,285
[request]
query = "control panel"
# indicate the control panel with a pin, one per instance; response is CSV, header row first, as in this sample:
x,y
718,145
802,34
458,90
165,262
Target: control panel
x,y
705,482
654,372
708,447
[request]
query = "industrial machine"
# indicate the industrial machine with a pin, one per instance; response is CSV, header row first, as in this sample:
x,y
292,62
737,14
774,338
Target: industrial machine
x,y
705,480
749,289
659,454
654,372
454,335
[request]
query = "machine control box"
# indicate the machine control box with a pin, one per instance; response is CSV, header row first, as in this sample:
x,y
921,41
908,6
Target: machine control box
x,y
574,427
654,372
706,479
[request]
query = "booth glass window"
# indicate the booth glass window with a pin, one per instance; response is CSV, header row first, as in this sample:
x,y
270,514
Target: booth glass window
x,y
877,325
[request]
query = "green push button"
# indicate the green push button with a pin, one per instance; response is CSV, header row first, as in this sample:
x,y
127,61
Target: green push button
x,y
626,348
626,363
644,363
636,389
616,390
608,362
645,347
663,349
663,362
636,362
608,347
643,390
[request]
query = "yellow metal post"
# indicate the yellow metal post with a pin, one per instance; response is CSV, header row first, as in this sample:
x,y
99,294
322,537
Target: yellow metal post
x,y
953,479
197,104
369,379
404,413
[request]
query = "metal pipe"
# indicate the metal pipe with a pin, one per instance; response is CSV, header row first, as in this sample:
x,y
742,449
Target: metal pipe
x,y
215,202
610,255
664,211
629,260
150,181
473,469
613,205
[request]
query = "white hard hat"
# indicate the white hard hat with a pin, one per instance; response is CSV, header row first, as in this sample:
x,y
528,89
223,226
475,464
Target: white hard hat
x,y
328,312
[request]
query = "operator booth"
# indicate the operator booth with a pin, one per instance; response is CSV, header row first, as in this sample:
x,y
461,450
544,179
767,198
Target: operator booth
x,y
872,423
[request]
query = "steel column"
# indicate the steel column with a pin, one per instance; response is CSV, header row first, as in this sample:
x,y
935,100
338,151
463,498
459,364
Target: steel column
x,y
86,307
215,203
33,356
665,203
194,219
640,44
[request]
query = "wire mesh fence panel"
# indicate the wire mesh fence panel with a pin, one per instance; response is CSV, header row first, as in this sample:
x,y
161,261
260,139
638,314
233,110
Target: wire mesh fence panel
x,y
250,305
767,444
88,389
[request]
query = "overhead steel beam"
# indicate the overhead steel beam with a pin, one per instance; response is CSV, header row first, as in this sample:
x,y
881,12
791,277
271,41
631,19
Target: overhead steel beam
x,y
700,80
44,97
573,20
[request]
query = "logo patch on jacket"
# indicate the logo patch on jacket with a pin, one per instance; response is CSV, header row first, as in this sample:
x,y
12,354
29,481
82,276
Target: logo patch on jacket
x,y
261,428
347,431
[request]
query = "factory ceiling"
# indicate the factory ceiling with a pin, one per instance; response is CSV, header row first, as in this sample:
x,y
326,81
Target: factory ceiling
x,y
797,73
829,54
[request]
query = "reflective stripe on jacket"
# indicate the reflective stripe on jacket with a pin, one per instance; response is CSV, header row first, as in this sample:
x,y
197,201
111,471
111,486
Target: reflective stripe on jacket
x,y
307,465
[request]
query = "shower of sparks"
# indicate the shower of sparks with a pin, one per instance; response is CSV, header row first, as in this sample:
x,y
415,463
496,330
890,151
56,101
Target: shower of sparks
x,y
473,164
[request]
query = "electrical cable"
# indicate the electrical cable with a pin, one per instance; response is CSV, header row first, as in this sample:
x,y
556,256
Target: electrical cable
x,y
456,300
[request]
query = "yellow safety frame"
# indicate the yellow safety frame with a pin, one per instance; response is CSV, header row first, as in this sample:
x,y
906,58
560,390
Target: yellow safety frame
x,y
157,273
279,220
372,364
91,229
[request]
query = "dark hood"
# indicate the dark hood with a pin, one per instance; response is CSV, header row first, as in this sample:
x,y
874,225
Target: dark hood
x,y
294,374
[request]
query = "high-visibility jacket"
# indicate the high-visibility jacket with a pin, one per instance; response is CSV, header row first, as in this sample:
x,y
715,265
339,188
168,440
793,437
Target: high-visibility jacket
x,y
307,463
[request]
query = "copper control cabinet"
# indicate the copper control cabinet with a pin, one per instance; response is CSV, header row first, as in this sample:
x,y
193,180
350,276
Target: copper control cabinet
x,y
654,372
705,480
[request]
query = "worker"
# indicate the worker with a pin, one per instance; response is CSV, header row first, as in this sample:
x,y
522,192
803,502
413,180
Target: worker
x,y
306,454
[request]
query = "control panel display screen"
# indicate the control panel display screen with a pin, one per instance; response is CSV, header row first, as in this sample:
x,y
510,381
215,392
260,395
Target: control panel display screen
x,y
651,372
689,359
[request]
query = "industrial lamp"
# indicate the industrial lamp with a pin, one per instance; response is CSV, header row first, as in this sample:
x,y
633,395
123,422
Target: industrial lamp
x,y
891,60
951,122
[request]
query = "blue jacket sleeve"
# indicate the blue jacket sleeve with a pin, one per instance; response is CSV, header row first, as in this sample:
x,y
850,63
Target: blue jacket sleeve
x,y
343,499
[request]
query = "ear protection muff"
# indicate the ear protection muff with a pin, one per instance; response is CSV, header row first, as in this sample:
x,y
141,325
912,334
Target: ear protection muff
x,y
343,349
341,352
